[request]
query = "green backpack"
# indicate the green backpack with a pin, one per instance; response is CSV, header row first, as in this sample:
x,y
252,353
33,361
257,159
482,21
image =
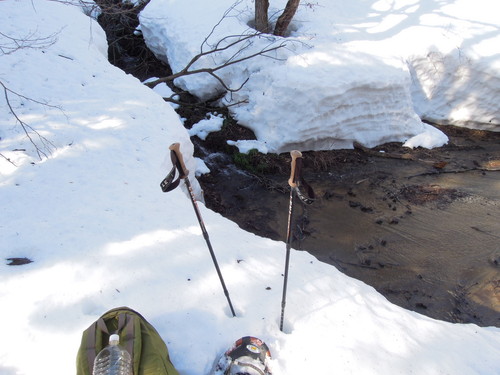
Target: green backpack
x,y
146,347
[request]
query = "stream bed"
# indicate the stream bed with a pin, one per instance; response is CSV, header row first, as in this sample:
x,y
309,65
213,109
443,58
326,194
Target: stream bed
x,y
420,226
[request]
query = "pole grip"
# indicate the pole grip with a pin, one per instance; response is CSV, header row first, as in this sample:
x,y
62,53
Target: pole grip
x,y
292,180
176,147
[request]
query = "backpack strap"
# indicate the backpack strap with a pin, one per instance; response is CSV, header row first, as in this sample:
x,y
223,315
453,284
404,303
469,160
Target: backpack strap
x,y
126,326
91,348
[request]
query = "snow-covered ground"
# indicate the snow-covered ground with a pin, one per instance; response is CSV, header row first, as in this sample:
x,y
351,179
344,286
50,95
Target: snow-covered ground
x,y
351,71
101,233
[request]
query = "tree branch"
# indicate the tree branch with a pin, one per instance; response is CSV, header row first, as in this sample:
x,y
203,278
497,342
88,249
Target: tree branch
x,y
11,44
243,40
28,130
6,158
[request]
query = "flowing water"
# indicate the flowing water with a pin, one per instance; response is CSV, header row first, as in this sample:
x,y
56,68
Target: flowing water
x,y
422,227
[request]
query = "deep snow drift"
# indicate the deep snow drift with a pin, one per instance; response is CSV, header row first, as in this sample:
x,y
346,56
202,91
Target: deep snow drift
x,y
101,234
351,71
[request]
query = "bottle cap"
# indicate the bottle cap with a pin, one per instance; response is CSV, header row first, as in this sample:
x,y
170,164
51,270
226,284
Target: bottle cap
x,y
114,339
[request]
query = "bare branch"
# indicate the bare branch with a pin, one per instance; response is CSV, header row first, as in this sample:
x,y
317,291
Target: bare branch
x,y
224,16
6,158
244,42
229,50
31,133
9,44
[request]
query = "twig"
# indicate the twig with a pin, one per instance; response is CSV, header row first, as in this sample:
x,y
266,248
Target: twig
x,y
6,158
432,173
369,151
28,41
241,39
28,130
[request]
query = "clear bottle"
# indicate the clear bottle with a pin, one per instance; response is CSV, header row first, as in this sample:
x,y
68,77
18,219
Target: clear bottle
x,y
113,359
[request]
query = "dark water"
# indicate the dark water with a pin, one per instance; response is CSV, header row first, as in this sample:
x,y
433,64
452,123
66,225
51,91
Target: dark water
x,y
426,237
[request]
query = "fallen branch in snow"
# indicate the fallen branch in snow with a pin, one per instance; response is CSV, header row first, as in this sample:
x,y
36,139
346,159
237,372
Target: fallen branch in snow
x,y
9,44
239,43
6,158
207,104
31,133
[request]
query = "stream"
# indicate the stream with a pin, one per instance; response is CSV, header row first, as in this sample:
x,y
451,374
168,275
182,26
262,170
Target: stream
x,y
420,226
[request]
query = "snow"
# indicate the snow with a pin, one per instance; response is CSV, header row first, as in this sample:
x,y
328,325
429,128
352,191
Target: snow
x,y
101,234
206,126
347,73
165,92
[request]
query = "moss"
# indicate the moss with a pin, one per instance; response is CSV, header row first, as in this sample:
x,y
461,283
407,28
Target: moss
x,y
257,163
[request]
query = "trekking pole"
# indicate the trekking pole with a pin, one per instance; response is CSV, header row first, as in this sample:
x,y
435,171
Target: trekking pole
x,y
169,184
299,187
292,181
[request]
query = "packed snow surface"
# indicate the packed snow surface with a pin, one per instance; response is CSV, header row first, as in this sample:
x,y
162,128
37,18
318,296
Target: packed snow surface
x,y
88,211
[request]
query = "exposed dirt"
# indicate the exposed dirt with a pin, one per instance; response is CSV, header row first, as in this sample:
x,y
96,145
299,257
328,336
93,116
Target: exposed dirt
x,y
421,226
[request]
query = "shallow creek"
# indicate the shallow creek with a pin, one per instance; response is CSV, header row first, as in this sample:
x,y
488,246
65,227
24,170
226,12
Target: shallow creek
x,y
422,227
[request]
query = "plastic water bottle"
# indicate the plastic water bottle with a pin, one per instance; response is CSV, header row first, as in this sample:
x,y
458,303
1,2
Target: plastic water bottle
x,y
113,359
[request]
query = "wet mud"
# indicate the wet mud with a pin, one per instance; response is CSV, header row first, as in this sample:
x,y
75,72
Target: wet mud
x,y
420,226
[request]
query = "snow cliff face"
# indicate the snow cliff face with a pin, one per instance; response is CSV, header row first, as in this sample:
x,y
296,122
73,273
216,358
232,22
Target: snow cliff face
x,y
453,89
316,101
343,76
304,97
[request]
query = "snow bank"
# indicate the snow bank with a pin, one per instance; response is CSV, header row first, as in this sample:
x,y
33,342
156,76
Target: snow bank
x,y
456,73
80,103
458,91
311,95
314,102
351,72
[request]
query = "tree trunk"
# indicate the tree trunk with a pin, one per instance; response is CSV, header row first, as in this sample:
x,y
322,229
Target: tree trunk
x,y
261,22
285,19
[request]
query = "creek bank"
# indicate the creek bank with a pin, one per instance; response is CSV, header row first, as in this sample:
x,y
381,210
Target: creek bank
x,y
421,226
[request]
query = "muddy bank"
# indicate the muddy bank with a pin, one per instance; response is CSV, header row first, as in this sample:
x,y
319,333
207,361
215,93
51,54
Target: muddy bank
x,y
420,226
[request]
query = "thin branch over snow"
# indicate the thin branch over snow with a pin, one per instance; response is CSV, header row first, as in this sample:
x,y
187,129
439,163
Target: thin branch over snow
x,y
9,44
242,42
43,146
